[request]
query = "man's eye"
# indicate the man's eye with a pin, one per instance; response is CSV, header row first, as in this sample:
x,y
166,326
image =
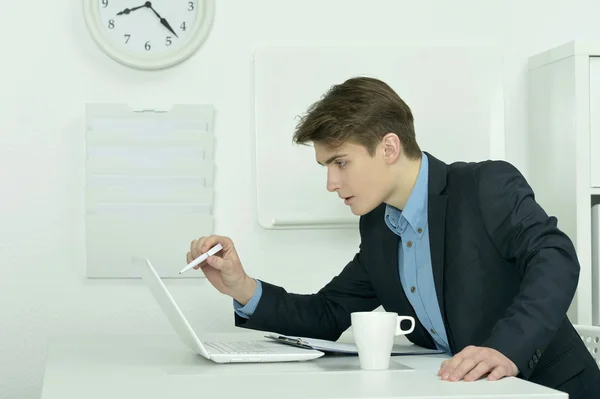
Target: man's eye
x,y
341,163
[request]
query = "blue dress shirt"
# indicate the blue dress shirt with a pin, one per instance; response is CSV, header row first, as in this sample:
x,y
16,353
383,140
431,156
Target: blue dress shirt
x,y
414,257
414,260
248,310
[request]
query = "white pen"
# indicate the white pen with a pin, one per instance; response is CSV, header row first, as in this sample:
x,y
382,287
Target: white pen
x,y
202,258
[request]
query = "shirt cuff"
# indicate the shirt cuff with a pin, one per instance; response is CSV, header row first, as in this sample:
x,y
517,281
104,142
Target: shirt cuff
x,y
248,310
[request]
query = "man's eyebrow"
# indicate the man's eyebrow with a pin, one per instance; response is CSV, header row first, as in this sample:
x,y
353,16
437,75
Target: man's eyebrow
x,y
332,158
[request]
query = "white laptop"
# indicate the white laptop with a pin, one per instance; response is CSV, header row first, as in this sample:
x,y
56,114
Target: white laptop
x,y
217,351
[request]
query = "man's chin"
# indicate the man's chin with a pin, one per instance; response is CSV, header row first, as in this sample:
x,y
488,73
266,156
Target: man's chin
x,y
358,211
361,210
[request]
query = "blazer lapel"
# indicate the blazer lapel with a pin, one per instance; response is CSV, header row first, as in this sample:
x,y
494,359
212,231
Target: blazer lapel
x,y
436,215
437,224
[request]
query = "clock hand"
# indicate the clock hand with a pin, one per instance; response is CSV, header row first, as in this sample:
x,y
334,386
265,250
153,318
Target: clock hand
x,y
162,20
166,25
128,10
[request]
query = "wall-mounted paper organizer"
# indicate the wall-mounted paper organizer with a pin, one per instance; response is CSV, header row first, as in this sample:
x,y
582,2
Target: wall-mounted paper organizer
x,y
149,187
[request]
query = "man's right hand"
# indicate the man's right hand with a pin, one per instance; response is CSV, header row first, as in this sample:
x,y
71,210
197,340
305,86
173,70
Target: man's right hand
x,y
224,269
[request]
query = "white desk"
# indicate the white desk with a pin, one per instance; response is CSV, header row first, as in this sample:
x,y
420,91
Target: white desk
x,y
161,367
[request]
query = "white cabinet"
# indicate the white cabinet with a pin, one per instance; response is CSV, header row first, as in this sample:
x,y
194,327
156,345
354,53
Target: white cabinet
x,y
595,120
596,261
564,152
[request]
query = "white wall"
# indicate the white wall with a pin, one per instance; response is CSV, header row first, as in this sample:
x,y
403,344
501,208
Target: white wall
x,y
51,68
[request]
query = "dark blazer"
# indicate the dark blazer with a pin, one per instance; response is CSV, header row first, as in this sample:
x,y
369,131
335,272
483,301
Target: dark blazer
x,y
504,274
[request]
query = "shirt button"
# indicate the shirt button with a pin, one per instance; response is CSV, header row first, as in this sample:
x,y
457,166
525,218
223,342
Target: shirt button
x,y
419,230
409,244
413,289
432,331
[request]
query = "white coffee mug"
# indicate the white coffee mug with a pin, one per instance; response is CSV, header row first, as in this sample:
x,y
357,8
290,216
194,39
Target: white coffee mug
x,y
374,334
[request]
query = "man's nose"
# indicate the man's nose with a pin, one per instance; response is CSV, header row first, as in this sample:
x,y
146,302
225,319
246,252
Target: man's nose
x,y
332,182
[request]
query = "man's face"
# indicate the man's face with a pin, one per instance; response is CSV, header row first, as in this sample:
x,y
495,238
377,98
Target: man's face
x,y
359,179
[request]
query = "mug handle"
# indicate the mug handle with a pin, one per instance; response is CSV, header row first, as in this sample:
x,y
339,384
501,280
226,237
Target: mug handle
x,y
400,331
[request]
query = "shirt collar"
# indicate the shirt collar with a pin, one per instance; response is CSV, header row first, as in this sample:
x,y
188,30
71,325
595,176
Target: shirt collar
x,y
415,211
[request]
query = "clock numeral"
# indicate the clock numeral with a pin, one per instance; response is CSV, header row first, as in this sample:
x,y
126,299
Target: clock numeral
x,y
183,28
169,41
111,24
104,3
190,4
147,46
127,37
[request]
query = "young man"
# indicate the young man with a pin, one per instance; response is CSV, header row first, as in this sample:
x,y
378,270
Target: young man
x,y
463,248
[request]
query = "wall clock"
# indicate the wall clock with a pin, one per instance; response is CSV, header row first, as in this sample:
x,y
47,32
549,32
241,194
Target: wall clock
x,y
149,35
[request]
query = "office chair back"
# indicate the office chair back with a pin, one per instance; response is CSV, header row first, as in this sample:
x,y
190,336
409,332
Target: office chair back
x,y
591,337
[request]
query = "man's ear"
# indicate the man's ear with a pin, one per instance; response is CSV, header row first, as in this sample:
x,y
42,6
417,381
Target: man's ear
x,y
392,148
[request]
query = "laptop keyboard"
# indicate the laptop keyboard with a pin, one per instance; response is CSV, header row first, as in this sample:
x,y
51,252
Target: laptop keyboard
x,y
238,347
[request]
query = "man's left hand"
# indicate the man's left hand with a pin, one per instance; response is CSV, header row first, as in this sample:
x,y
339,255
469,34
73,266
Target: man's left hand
x,y
473,362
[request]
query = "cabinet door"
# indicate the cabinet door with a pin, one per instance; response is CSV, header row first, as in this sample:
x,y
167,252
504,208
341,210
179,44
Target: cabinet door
x,y
595,120
596,264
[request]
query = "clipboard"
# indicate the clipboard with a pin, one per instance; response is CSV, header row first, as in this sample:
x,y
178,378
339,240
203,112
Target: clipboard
x,y
347,348
297,342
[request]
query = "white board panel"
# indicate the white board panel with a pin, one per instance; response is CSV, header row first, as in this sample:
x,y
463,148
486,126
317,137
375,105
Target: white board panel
x,y
455,93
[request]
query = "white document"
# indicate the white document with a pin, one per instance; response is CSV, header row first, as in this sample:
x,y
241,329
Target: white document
x,y
342,347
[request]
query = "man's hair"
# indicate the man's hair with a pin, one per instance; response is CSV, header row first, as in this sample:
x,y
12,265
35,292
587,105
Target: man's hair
x,y
361,110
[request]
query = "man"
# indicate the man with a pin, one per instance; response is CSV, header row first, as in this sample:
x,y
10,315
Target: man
x,y
464,248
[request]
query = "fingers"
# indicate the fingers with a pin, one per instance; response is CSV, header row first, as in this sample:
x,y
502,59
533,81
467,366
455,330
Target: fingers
x,y
215,262
474,362
462,369
443,367
481,369
449,366
213,240
194,249
203,244
189,258
498,373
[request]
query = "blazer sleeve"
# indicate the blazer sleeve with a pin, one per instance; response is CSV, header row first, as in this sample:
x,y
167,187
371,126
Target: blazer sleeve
x,y
324,315
524,234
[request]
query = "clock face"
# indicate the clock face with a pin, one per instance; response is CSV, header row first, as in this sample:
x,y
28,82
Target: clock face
x,y
148,28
